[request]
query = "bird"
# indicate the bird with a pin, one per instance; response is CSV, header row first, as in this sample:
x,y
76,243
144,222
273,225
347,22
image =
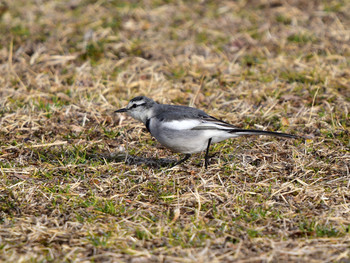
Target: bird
x,y
186,129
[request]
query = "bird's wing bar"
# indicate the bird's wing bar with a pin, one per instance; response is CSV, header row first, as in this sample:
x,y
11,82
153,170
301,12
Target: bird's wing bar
x,y
185,124
201,122
211,123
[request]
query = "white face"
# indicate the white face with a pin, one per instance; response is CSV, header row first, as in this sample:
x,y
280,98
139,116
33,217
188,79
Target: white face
x,y
138,110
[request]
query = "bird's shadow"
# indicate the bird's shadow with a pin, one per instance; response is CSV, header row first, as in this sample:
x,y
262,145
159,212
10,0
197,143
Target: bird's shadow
x,y
152,162
137,160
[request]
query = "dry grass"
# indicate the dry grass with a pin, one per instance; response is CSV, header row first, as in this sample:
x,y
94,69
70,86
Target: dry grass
x,y
66,192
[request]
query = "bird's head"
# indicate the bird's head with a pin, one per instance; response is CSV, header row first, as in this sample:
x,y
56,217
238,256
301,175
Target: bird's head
x,y
140,108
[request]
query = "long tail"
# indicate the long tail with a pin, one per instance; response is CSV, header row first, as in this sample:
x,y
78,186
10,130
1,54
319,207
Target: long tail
x,y
259,132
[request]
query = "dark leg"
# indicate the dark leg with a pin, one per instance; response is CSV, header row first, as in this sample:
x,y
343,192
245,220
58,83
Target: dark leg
x,y
187,156
207,155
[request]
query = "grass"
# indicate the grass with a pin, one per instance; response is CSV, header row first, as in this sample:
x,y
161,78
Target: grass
x,y
68,193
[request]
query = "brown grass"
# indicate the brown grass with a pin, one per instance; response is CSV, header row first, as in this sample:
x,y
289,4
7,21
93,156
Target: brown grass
x,y
66,194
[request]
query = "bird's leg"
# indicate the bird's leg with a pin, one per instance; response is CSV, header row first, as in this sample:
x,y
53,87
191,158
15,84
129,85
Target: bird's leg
x,y
187,156
206,162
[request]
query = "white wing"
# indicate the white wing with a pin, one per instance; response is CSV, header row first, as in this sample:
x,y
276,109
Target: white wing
x,y
205,123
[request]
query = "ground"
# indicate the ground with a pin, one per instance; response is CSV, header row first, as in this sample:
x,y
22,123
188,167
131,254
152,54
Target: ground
x,y
79,183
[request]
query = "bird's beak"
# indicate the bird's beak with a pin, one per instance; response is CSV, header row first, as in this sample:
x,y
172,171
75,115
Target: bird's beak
x,y
121,110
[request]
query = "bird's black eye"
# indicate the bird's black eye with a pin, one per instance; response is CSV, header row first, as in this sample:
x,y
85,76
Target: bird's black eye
x,y
137,105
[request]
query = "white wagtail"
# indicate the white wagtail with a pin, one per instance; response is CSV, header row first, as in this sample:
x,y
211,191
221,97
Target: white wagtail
x,y
185,129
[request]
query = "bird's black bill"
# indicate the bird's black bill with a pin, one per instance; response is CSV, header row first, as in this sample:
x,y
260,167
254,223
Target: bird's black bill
x,y
121,110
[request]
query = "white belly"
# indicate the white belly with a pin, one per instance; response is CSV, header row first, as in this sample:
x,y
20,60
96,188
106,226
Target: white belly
x,y
186,140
